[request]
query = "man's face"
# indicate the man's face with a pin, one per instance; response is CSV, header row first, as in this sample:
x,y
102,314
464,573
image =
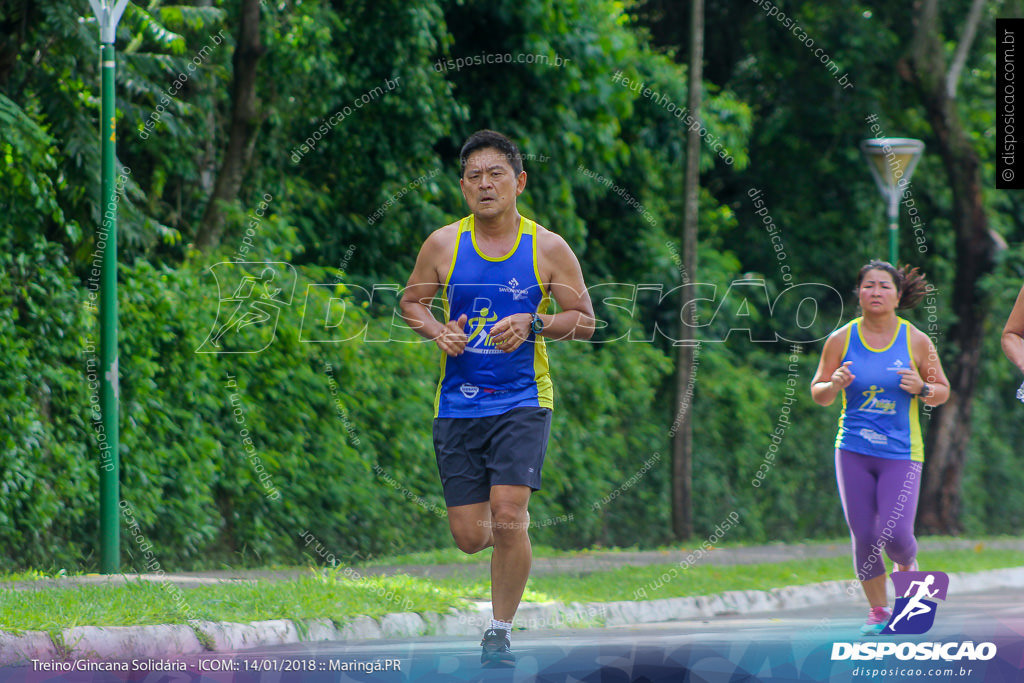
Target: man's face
x,y
489,184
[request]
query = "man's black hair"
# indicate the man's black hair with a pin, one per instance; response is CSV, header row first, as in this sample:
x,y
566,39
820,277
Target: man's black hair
x,y
483,139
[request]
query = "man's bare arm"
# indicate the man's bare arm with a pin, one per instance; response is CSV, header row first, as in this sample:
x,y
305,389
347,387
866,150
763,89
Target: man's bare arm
x,y
576,319
423,285
1013,333
566,286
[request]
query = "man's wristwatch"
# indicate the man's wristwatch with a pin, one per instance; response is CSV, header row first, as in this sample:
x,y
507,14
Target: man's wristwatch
x,y
536,324
925,392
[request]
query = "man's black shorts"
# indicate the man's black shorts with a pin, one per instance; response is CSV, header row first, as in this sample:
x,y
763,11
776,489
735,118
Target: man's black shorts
x,y
476,453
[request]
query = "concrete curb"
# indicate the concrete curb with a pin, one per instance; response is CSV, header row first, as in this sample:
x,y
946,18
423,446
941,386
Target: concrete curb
x,y
26,646
129,642
228,637
113,642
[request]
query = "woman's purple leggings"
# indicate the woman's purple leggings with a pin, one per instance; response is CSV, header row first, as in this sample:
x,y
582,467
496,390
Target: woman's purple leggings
x,y
879,500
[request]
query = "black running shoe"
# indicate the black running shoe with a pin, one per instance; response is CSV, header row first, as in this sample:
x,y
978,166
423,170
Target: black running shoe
x,y
497,649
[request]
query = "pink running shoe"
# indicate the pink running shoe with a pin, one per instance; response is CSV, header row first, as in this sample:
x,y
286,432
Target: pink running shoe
x,y
878,617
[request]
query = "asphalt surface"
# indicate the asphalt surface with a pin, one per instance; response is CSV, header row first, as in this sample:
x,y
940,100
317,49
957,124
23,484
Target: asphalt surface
x,y
786,634
787,645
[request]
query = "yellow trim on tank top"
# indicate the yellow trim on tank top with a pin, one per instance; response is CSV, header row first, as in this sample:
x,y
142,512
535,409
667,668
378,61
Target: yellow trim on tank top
x,y
849,333
900,323
536,269
910,351
842,392
444,356
446,306
541,367
472,232
916,439
463,226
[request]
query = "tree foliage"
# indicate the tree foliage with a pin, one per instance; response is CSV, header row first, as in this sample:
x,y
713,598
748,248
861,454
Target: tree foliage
x,y
360,109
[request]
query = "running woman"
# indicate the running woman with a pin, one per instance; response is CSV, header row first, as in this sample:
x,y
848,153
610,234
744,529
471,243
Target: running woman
x,y
496,273
883,367
1013,338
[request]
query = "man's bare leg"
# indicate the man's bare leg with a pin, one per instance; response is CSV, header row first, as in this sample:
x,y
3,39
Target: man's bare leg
x,y
471,526
513,554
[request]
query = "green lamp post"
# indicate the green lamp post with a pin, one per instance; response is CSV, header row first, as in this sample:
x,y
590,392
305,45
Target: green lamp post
x,y
892,162
108,16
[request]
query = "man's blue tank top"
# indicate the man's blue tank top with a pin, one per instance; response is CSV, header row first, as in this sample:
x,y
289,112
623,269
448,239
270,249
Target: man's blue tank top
x,y
878,417
485,381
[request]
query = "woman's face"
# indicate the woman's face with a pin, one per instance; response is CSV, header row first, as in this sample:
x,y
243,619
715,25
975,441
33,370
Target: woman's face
x,y
878,292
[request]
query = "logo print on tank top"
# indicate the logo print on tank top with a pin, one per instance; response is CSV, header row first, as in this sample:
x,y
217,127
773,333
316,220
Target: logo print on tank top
x,y
517,294
477,324
480,341
873,404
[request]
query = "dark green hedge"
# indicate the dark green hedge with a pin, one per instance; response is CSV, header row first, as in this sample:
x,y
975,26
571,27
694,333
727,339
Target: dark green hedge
x,y
342,435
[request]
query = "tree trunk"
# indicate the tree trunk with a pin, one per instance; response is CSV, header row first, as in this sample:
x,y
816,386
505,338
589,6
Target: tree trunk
x,y
940,505
13,26
682,441
242,128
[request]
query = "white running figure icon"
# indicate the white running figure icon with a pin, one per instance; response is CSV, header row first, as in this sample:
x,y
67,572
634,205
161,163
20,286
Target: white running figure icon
x,y
914,606
244,294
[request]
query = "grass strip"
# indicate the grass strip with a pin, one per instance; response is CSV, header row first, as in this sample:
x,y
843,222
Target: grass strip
x,y
341,595
452,555
141,602
654,582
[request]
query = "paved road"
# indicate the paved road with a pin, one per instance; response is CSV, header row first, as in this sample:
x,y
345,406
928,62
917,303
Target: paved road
x,y
795,645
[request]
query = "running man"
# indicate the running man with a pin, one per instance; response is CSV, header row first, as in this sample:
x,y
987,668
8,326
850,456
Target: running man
x,y
914,606
883,367
496,272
